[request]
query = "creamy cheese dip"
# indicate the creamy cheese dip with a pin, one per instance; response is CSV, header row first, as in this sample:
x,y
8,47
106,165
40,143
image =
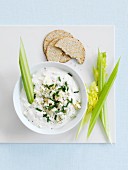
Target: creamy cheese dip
x,y
57,98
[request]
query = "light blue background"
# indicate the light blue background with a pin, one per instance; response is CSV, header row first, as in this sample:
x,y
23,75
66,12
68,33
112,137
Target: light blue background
x,y
73,156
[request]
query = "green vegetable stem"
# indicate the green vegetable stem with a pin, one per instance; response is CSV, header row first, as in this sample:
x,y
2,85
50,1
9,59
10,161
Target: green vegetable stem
x,y
25,74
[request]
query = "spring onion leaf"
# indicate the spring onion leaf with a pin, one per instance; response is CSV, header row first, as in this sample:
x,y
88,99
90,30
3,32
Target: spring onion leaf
x,y
25,73
102,98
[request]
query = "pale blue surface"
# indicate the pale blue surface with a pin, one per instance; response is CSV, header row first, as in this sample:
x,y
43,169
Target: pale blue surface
x,y
76,157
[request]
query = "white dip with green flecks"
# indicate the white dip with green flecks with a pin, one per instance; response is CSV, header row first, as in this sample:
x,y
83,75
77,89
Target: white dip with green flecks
x,y
57,98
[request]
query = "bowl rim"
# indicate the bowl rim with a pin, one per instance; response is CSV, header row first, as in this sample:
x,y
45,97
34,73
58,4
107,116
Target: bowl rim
x,y
22,117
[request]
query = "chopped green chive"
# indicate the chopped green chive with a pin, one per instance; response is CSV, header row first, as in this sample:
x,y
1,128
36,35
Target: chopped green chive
x,y
59,78
51,85
70,101
63,88
48,86
70,74
57,111
48,119
45,85
45,115
50,107
66,83
55,94
76,91
39,109
56,103
55,117
34,95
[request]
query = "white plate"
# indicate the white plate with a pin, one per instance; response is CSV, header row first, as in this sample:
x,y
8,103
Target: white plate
x,y
69,125
93,37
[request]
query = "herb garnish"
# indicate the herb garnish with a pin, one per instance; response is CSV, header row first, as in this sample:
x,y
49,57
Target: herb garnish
x,y
64,111
48,86
70,74
46,116
45,85
76,91
55,94
55,117
66,84
51,85
70,101
63,88
39,109
57,111
34,95
48,119
56,103
50,107
59,78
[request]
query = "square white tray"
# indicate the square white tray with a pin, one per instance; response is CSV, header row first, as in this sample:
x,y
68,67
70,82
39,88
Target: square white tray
x,y
93,37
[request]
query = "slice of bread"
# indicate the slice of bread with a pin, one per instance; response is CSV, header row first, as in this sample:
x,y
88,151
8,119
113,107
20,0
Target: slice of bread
x,y
73,48
53,35
55,54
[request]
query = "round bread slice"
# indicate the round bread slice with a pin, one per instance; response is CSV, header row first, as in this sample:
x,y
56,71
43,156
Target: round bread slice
x,y
72,47
55,54
53,35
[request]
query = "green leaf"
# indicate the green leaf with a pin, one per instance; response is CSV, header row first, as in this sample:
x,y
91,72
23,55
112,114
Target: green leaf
x,y
102,98
25,73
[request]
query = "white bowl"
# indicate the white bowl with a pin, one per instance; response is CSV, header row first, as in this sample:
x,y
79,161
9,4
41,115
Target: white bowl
x,y
68,126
